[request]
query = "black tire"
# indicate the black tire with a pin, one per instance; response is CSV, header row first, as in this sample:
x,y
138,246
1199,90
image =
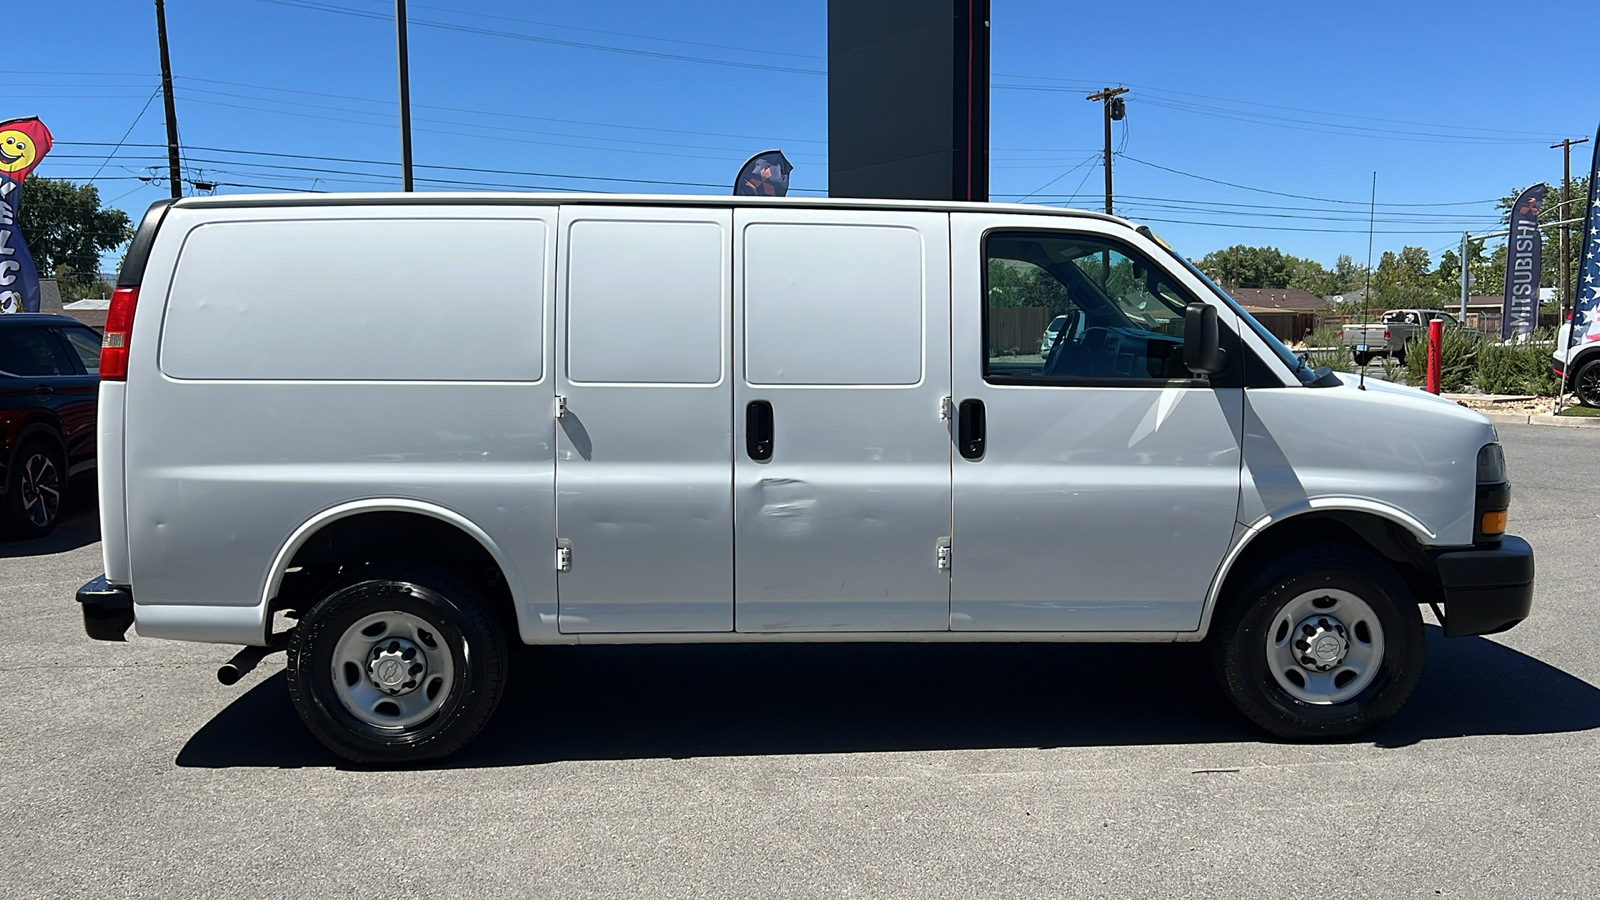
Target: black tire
x,y
1362,359
1586,383
1400,357
1241,641
36,487
464,629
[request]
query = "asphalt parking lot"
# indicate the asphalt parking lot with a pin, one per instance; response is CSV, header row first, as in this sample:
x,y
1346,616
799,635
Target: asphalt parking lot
x,y
126,770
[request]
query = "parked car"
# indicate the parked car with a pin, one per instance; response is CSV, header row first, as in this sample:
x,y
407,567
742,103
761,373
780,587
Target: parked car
x,y
49,369
1578,367
804,434
1051,331
1388,336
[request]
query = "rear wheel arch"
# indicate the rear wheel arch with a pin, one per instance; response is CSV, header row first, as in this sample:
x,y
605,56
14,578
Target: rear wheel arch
x,y
344,539
42,428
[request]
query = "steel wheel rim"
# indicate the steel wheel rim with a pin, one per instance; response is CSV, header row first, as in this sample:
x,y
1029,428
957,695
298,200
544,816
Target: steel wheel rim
x,y
40,490
1335,673
364,664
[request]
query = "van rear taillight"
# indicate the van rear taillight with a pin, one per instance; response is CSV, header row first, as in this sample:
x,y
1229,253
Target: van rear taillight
x,y
119,327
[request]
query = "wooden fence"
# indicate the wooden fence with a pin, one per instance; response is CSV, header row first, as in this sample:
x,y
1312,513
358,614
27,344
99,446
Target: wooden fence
x,y
1287,325
1016,330
1488,322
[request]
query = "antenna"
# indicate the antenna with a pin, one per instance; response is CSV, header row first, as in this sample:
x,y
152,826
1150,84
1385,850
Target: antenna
x,y
1366,290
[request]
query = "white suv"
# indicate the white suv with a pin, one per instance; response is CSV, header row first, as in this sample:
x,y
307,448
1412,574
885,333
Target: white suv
x,y
1579,367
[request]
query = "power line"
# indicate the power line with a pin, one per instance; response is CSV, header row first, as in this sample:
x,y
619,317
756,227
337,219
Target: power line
x,y
485,112
125,134
1245,187
442,168
643,37
1077,85
512,35
191,90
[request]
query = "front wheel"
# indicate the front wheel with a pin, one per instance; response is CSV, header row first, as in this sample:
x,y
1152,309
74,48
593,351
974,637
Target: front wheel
x,y
397,665
1586,384
1324,642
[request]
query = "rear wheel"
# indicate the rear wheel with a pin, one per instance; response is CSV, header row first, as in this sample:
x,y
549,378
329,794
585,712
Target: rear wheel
x,y
1586,384
1324,642
35,485
397,664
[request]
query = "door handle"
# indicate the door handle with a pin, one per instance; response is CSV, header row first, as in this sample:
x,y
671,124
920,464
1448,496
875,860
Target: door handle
x,y
971,428
44,389
758,430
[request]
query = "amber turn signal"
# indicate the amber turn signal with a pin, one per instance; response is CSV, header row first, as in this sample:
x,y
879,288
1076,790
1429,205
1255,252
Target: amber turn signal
x,y
1494,522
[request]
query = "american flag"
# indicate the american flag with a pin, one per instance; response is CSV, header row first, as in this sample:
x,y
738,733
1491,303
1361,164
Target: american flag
x,y
1586,311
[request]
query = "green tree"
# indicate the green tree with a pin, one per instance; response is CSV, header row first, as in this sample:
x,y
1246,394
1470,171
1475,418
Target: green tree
x,y
67,229
1248,267
1406,280
1269,267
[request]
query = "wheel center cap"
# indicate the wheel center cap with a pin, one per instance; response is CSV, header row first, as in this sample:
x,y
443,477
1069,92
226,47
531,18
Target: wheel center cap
x,y
396,666
389,672
1322,643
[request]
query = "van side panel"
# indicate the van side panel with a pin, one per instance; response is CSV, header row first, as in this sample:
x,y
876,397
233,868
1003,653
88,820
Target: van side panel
x,y
320,357
644,468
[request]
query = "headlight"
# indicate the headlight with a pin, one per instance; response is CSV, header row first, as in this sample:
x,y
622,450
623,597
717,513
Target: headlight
x,y
1491,464
1493,496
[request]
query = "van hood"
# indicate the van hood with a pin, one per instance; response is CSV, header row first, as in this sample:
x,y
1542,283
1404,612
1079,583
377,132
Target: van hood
x,y
1391,394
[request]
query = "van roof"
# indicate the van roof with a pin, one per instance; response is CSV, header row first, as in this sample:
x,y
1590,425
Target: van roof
x,y
496,198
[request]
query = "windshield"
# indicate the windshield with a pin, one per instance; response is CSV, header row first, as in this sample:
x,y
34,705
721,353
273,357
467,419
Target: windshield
x,y
1289,357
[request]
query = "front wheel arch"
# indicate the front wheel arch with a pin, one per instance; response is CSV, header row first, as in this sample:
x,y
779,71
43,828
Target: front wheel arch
x,y
1397,543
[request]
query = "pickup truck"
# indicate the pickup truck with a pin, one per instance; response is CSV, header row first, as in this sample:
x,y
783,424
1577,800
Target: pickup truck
x,y
1388,336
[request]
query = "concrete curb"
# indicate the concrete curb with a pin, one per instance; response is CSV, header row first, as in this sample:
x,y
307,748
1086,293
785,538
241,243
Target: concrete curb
x,y
1500,418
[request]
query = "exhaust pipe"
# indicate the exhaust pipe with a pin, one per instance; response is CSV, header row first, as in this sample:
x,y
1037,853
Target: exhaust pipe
x,y
248,657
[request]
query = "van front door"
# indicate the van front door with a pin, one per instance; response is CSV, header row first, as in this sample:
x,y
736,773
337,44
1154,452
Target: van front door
x,y
842,464
1097,480
644,443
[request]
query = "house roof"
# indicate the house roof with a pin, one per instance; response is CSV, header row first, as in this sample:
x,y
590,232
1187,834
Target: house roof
x,y
1270,299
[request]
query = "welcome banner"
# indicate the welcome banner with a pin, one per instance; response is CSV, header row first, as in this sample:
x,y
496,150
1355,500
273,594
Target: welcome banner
x,y
23,143
1523,261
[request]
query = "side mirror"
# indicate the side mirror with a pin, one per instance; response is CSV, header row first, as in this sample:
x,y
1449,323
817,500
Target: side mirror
x,y
1202,347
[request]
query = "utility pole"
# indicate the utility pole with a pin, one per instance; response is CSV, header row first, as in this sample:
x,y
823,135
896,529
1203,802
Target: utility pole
x,y
174,176
1110,100
1466,276
405,93
1566,198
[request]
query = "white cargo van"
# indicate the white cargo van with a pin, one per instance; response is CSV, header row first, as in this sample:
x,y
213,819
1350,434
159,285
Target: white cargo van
x,y
423,426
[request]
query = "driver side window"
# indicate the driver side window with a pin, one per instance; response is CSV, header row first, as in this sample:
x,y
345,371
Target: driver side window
x,y
1097,312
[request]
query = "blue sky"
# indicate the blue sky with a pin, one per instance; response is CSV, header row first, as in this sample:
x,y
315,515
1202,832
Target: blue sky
x,y
1452,104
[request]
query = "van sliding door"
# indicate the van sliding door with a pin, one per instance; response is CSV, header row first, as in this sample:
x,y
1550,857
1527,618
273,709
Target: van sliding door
x,y
644,439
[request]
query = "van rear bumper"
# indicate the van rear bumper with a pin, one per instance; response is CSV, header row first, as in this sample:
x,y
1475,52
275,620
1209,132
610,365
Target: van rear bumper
x,y
1486,590
107,609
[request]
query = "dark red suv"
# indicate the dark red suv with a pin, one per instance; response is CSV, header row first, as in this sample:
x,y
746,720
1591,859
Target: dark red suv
x,y
49,379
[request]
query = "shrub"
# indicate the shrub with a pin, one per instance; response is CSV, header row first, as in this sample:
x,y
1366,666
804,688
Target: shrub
x,y
1522,368
1471,359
